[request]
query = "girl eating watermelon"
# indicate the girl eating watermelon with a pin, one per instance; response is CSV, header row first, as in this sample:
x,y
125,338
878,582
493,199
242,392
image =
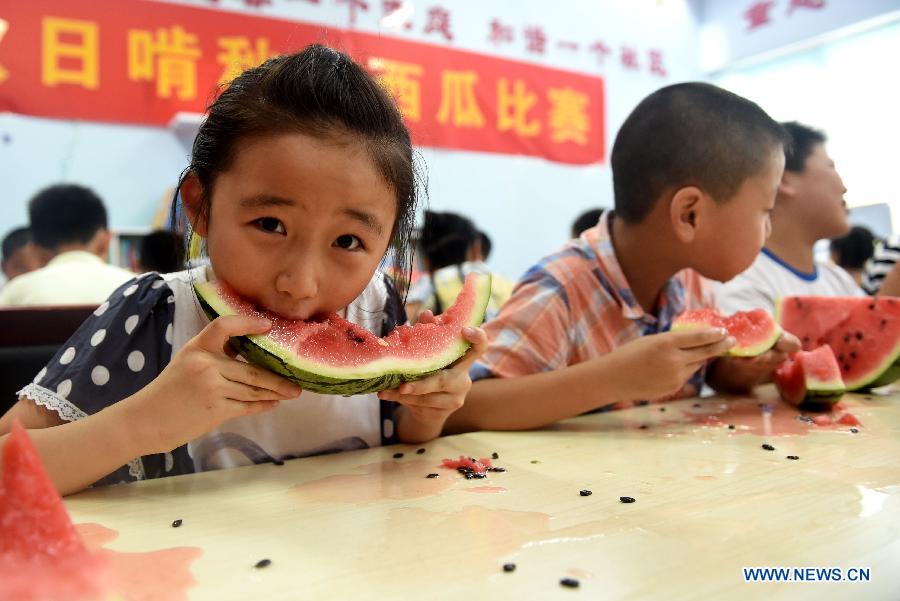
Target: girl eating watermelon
x,y
301,181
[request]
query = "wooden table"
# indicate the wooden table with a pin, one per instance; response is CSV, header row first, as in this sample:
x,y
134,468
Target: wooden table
x,y
709,501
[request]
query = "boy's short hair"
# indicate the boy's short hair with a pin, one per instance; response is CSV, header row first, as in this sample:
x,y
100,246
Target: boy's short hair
x,y
486,245
162,251
802,140
14,240
65,214
689,134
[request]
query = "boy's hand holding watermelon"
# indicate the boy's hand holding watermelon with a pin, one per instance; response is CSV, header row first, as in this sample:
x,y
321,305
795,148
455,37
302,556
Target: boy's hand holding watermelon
x,y
741,374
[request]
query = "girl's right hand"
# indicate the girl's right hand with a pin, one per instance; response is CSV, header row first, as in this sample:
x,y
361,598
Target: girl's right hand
x,y
204,386
659,365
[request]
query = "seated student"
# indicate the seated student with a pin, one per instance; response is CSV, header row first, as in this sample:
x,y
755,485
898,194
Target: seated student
x,y
451,249
851,252
161,251
19,254
585,221
587,327
68,223
809,207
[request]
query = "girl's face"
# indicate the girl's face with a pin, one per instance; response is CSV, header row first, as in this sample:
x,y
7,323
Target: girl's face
x,y
297,224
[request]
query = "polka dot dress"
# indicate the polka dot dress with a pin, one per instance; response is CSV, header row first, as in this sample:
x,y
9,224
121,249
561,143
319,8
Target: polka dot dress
x,y
117,351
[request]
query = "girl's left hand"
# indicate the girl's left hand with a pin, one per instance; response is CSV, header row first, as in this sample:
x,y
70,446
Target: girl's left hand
x,y
430,401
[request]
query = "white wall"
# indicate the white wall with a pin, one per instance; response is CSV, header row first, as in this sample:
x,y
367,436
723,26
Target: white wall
x,y
849,88
526,205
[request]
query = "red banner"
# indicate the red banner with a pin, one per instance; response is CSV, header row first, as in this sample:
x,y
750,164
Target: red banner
x,y
136,61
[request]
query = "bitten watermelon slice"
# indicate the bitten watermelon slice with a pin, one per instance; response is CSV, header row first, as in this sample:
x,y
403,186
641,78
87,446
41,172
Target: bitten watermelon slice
x,y
335,356
41,554
755,331
863,332
810,378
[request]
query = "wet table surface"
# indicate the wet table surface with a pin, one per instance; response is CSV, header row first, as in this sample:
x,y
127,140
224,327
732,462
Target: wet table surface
x,y
709,501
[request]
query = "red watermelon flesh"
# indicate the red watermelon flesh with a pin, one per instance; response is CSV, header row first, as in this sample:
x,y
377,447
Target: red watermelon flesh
x,y
478,466
41,555
334,356
863,332
755,331
810,378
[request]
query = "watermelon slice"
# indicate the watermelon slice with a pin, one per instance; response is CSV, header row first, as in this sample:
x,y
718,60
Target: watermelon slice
x,y
335,356
755,331
41,554
810,379
863,332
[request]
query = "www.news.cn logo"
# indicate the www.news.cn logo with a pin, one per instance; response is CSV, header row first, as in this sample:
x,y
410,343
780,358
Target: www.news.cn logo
x,y
819,574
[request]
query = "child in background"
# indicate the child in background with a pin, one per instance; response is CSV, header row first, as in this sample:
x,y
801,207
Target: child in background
x,y
19,254
451,249
695,169
161,251
585,221
300,178
851,252
809,206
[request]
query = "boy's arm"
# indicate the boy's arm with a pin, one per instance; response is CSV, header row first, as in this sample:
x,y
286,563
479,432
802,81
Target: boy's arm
x,y
649,367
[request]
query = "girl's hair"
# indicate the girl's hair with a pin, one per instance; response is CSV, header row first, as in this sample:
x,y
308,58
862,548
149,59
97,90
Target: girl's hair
x,y
322,93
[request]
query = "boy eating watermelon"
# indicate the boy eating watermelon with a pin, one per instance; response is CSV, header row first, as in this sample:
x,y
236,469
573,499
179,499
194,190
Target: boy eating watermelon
x,y
695,170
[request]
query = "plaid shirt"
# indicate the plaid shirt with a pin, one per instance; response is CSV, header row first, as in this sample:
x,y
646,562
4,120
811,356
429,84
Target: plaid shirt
x,y
575,305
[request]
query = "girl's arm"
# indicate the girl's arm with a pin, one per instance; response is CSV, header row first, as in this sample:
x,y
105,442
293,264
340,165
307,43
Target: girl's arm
x,y
646,368
202,387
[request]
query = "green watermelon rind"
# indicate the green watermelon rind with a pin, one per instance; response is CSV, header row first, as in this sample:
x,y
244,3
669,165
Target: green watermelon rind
x,y
327,379
753,350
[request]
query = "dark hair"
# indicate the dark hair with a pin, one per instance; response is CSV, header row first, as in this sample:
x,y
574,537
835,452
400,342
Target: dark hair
x,y
854,249
446,238
65,214
486,245
586,220
689,134
14,240
318,92
802,140
162,251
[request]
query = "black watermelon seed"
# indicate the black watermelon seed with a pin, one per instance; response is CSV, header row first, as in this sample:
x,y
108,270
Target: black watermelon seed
x,y
840,358
768,447
509,567
643,426
585,493
854,430
697,405
419,451
853,354
496,469
479,476
846,337
472,459
872,306
806,419
176,524
398,455
662,408
570,583
731,426
278,461
535,461
263,563
859,335
643,402
793,457
432,475
627,499
494,455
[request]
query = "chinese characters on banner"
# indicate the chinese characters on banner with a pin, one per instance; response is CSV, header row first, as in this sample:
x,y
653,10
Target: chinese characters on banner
x,y
760,12
95,61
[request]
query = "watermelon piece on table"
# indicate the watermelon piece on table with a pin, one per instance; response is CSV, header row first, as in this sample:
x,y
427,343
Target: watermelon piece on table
x,y
863,332
335,356
479,466
41,554
755,331
810,378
